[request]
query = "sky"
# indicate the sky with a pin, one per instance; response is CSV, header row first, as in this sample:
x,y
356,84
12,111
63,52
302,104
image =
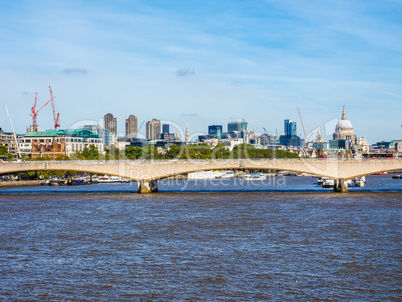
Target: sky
x,y
204,63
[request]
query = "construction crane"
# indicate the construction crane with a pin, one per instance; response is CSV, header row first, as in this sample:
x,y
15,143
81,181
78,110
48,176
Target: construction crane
x,y
55,117
304,130
34,113
15,137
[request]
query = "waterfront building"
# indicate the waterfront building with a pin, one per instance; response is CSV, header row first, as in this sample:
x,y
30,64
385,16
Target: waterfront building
x,y
7,139
131,126
110,123
215,130
56,143
153,129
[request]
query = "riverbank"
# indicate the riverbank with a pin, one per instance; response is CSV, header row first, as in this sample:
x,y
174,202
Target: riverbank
x,y
22,183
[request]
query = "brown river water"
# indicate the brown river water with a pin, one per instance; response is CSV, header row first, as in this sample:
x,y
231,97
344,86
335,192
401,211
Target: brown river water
x,y
219,241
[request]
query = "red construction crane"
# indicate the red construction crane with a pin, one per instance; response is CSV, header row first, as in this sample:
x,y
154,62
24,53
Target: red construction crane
x,y
304,130
55,117
35,113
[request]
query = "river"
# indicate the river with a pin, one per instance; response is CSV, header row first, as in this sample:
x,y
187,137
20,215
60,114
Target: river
x,y
281,239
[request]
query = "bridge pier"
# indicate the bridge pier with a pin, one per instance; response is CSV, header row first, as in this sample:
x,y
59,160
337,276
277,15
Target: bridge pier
x,y
147,186
340,186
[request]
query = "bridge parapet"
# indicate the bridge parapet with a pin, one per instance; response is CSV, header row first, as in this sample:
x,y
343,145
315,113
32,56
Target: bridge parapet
x,y
147,170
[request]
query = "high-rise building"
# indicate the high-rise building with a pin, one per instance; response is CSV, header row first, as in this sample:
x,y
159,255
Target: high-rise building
x,y
215,130
165,129
239,126
290,128
153,129
131,126
110,123
290,137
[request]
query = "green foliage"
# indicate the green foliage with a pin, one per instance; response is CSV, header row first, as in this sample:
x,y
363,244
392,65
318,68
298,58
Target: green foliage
x,y
90,153
114,153
4,152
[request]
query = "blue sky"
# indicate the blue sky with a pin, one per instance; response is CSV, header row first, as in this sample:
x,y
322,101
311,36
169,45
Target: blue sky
x,y
205,62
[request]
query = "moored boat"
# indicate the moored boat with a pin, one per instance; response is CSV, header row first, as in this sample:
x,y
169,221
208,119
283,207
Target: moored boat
x,y
359,181
109,179
254,177
328,183
211,174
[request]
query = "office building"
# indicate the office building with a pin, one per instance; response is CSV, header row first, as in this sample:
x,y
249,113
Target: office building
x,y
215,130
290,138
290,128
165,129
239,126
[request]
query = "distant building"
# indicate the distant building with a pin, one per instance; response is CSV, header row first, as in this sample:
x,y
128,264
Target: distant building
x,y
153,129
187,138
290,138
345,140
269,139
215,130
108,137
110,122
131,126
165,129
56,143
290,128
319,144
344,129
240,126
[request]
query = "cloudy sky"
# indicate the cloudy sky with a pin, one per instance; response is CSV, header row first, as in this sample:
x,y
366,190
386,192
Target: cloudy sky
x,y
205,62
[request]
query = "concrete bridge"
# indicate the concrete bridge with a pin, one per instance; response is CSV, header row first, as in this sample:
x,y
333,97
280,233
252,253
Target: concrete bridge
x,y
147,172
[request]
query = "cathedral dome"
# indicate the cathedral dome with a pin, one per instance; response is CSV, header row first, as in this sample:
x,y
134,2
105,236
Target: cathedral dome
x,y
343,124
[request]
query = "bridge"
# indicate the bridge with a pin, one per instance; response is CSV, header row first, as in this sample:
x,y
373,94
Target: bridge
x,y
147,172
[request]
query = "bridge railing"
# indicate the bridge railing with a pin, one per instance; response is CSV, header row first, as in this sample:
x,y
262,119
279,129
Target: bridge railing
x,y
205,160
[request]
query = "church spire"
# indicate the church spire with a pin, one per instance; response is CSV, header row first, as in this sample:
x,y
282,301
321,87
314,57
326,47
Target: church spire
x,y
318,138
343,113
187,139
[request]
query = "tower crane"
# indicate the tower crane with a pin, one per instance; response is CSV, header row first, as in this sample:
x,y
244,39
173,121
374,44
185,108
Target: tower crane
x,y
55,117
34,113
304,130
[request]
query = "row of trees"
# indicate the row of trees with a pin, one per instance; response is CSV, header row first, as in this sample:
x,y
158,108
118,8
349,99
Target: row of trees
x,y
199,151
194,151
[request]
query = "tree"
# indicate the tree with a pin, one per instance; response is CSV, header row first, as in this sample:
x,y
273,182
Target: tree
x,y
4,152
90,153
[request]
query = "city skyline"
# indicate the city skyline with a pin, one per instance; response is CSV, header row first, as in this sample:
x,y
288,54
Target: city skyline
x,y
206,64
